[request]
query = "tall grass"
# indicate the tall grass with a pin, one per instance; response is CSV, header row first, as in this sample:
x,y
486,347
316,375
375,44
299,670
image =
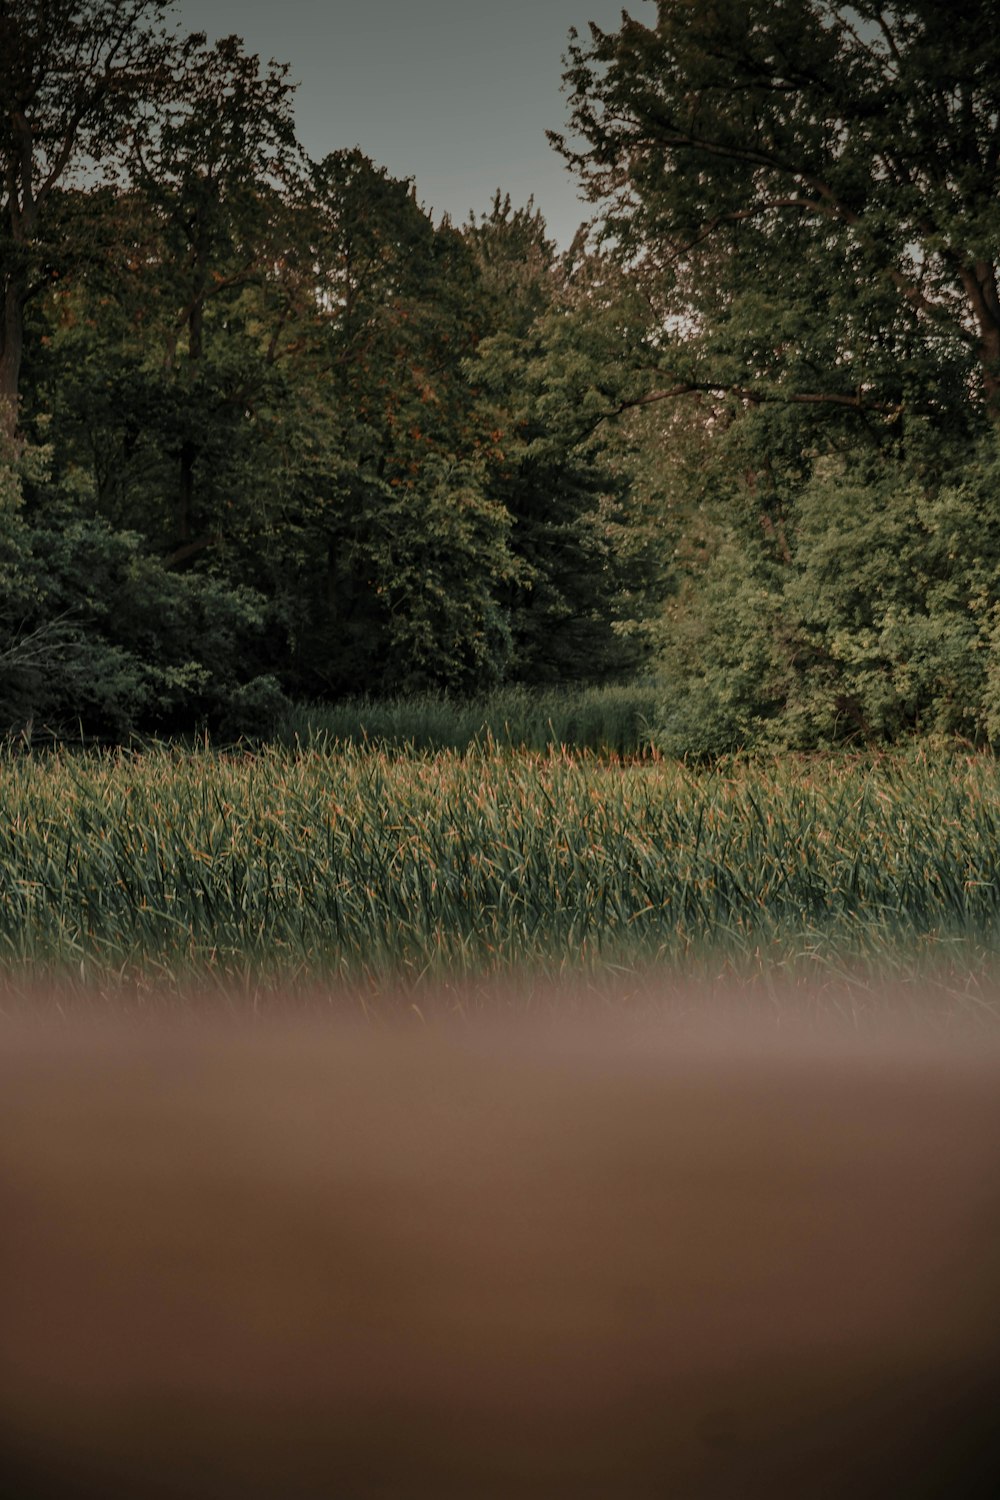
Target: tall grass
x,y
343,862
602,719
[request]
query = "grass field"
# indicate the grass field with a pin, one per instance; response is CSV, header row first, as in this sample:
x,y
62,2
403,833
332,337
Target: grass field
x,y
345,862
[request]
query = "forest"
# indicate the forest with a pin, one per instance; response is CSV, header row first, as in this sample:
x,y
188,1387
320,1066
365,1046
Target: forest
x,y
271,436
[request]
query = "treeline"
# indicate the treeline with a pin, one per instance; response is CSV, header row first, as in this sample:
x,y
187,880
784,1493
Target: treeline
x,y
274,433
807,194
270,433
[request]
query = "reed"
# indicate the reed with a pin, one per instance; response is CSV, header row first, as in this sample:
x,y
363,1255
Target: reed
x,y
613,719
342,862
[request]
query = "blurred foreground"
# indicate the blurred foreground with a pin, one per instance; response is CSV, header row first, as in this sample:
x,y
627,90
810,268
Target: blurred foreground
x,y
676,1255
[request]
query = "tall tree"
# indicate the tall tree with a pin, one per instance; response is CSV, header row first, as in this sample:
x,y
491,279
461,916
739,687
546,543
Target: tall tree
x,y
397,548
213,162
812,187
556,365
73,74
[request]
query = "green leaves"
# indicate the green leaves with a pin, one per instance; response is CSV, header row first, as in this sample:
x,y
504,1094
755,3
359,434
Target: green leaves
x,y
73,79
587,568
874,618
831,157
96,633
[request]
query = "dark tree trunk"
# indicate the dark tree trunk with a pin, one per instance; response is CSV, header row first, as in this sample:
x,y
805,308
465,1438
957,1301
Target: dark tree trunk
x,y
11,348
980,283
185,494
189,448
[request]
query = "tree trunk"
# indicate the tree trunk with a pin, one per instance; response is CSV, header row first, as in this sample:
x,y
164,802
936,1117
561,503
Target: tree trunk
x,y
11,347
980,282
185,496
189,448
989,356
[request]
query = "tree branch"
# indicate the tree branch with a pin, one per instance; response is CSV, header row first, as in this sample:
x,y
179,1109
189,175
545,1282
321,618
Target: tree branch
x,y
757,397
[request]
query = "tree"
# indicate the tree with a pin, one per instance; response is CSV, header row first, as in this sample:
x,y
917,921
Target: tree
x,y
73,75
517,263
811,190
212,162
878,618
586,563
388,551
156,351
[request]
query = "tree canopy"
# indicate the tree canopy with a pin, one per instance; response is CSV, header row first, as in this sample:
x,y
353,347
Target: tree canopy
x,y
260,437
811,189
270,431
805,194
74,76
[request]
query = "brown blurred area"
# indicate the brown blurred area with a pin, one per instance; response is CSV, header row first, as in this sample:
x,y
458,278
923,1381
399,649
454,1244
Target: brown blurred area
x,y
310,1259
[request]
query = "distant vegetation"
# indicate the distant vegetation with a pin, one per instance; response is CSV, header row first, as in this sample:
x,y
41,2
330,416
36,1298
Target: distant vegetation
x,y
269,435
615,720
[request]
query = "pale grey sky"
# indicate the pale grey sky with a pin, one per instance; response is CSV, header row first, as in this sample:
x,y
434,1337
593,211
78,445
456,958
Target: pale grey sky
x,y
456,94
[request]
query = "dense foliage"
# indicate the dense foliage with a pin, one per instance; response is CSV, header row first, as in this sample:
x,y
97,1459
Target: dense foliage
x,y
807,194
270,433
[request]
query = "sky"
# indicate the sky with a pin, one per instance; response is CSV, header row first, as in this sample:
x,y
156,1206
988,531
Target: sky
x,y
456,94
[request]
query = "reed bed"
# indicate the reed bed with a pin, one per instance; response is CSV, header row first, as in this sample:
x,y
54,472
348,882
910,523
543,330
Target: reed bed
x,y
349,863
615,718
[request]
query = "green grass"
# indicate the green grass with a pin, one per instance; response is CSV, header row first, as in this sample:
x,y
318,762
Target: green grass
x,y
612,719
350,863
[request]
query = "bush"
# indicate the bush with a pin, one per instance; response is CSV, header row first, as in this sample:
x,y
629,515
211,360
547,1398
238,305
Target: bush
x,y
880,619
255,710
99,635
